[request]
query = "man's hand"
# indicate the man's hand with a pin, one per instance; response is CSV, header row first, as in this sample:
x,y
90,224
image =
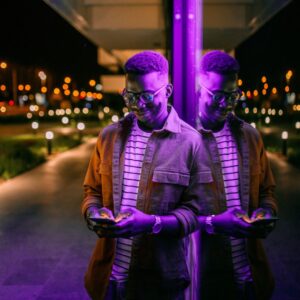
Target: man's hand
x,y
135,222
263,229
95,212
230,223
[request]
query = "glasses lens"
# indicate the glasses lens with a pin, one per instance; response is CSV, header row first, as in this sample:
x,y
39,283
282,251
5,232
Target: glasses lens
x,y
147,97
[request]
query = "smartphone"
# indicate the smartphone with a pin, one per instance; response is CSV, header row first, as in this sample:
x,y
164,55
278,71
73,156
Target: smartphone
x,y
265,221
100,220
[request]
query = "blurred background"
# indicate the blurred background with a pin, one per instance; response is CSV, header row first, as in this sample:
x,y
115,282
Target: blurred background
x,y
61,78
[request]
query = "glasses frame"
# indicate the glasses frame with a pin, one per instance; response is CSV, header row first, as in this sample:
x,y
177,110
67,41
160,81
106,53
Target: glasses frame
x,y
226,95
137,96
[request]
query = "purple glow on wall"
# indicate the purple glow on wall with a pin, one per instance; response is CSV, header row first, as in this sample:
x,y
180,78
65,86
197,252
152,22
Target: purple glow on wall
x,y
187,46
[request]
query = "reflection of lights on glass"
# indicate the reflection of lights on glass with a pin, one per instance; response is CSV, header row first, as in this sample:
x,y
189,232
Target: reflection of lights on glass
x,y
125,114
298,107
274,90
27,87
287,89
3,109
82,94
255,110
264,92
106,109
266,86
49,135
32,107
246,110
2,87
240,82
284,135
51,113
65,120
263,79
255,93
34,125
280,112
125,110
80,126
273,112
65,86
115,118
20,87
76,110
267,120
297,125
29,115
85,110
253,125
248,94
41,113
101,115
263,111
269,111
67,92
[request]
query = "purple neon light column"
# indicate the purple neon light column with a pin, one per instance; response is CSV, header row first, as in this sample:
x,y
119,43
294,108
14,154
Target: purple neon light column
x,y
187,47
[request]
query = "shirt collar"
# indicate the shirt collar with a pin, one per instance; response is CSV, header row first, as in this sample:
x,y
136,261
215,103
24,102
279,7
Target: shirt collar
x,y
172,123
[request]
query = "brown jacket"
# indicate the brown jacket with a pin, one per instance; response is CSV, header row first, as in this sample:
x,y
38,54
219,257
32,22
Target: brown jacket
x,y
256,190
169,184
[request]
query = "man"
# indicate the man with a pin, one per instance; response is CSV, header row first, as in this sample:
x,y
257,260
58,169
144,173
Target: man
x,y
143,180
237,188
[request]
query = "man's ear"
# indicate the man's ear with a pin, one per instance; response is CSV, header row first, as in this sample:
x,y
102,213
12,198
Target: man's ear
x,y
169,90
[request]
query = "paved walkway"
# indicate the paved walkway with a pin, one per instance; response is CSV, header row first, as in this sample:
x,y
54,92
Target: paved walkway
x,y
45,246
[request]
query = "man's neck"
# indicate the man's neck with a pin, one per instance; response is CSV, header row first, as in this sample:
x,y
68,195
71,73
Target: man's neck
x,y
156,125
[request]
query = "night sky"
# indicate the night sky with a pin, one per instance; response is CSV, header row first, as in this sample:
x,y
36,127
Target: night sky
x,y
273,50
32,34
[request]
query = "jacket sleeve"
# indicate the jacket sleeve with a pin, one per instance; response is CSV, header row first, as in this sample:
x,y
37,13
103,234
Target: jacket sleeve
x,y
267,182
189,207
92,182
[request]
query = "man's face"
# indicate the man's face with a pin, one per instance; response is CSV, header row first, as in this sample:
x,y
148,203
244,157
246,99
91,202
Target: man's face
x,y
213,83
153,113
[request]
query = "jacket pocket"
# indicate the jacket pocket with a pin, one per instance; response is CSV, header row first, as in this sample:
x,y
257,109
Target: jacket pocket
x,y
169,177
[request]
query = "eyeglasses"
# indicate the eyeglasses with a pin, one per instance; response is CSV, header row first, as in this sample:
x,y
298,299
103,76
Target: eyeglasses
x,y
231,97
132,98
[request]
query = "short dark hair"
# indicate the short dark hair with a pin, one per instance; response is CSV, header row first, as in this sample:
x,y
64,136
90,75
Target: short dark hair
x,y
219,62
147,62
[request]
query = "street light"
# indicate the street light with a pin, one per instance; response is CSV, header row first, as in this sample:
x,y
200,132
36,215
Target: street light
x,y
35,126
49,135
297,126
284,137
80,127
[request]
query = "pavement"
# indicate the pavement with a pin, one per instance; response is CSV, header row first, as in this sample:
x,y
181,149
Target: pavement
x,y
45,244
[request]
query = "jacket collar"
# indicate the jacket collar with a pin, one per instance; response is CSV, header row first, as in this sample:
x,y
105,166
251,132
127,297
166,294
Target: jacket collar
x,y
172,124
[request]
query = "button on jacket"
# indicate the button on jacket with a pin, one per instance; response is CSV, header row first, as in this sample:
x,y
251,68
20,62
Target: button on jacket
x,y
169,184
